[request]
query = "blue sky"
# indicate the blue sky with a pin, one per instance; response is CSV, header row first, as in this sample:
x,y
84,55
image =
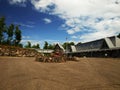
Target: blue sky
x,y
54,20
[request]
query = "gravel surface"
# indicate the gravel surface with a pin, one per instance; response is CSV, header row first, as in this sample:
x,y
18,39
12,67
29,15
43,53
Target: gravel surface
x,y
23,73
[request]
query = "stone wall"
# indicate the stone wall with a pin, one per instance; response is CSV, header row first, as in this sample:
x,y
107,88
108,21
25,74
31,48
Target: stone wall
x,y
17,52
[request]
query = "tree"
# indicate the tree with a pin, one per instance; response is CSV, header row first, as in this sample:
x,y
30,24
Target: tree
x,y
45,45
71,43
51,46
10,33
2,29
118,35
7,34
67,44
36,46
28,45
20,45
17,36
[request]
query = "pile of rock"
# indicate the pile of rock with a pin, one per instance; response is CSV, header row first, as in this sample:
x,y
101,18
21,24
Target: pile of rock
x,y
17,52
41,58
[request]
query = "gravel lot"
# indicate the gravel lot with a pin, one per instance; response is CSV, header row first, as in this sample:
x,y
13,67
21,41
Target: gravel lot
x,y
21,73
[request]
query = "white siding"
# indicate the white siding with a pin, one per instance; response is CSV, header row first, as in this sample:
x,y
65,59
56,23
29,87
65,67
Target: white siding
x,y
73,48
109,43
117,42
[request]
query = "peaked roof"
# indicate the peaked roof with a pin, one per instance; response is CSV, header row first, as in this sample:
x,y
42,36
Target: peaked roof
x,y
61,47
73,48
105,43
113,42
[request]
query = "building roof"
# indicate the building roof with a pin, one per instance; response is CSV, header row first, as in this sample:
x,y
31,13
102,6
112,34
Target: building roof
x,y
73,48
44,50
60,46
105,43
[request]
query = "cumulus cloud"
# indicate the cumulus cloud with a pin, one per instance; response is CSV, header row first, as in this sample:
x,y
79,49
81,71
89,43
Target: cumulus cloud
x,y
47,21
98,18
26,37
25,25
93,18
18,2
42,5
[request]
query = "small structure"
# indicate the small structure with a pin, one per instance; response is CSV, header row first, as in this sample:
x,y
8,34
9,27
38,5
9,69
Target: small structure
x,y
59,48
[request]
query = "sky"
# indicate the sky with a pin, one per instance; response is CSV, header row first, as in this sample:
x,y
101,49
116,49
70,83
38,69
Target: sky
x,y
54,20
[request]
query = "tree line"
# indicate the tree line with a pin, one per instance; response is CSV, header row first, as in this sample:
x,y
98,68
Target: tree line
x,y
48,46
28,45
9,35
37,46
51,46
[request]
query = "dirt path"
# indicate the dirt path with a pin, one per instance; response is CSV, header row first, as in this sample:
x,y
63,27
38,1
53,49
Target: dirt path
x,y
20,73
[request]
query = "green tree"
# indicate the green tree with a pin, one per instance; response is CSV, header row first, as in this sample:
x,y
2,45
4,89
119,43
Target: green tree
x,y
71,43
17,36
20,45
118,35
28,45
7,34
36,46
67,44
10,33
2,29
51,46
45,45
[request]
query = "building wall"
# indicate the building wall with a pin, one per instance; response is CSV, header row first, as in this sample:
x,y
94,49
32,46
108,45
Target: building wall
x,y
103,53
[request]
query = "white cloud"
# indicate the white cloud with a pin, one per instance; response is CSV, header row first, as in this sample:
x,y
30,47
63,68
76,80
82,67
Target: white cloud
x,y
95,35
74,37
26,37
79,14
47,21
42,5
18,2
25,25
73,30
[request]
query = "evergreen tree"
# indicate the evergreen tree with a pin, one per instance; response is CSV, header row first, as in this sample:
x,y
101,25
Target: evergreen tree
x,y
20,45
67,44
71,43
118,35
10,33
51,46
28,45
17,36
45,45
7,33
2,29
36,46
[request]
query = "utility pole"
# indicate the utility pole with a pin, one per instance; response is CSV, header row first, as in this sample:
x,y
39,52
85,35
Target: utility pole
x,y
66,45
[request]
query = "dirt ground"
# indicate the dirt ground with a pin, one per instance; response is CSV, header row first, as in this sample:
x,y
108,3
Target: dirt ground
x,y
21,73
